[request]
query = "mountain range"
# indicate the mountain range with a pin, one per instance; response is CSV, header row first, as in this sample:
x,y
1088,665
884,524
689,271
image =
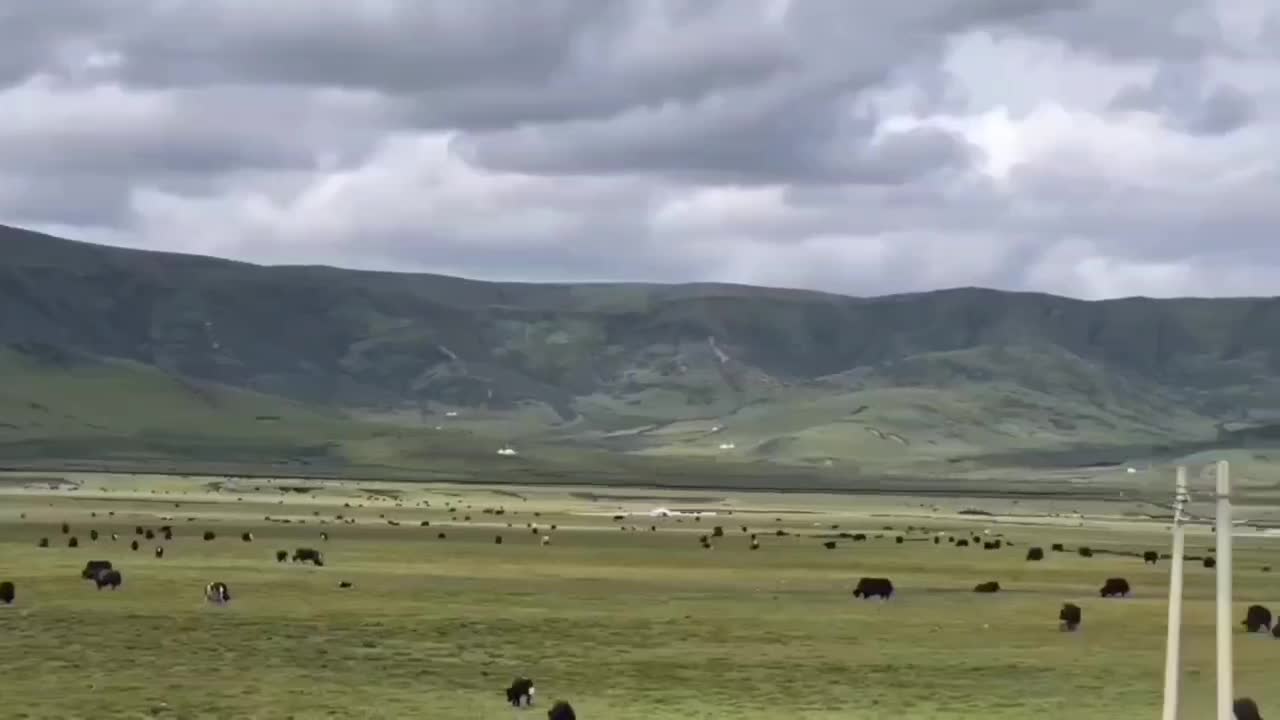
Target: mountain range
x,y
128,356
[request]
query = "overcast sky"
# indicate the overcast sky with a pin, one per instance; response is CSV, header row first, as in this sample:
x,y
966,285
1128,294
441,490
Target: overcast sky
x,y
1093,148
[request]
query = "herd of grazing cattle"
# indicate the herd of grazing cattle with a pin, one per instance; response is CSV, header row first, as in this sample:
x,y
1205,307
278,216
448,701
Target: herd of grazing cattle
x,y
521,692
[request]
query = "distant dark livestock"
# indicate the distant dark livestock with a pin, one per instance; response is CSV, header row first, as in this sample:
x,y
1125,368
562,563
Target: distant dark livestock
x,y
7,592
209,535
74,542
308,555
1246,709
217,593
990,586
134,545
869,587
344,584
1085,552
1150,557
520,693
246,537
1069,616
93,535
108,578
1114,587
830,544
1256,619
159,552
92,567
1035,554
962,543
44,543
1058,547
1210,563
282,555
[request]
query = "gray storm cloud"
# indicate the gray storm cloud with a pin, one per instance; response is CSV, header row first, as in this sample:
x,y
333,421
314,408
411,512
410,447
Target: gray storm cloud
x,y
1088,148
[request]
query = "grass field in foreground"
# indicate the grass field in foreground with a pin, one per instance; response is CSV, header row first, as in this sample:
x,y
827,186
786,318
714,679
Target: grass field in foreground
x,y
626,625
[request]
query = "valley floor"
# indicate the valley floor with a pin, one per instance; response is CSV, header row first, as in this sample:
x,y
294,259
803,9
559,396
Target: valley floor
x,y
627,624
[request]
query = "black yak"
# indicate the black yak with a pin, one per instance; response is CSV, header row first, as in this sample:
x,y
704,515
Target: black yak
x,y
497,540
1058,547
1210,563
137,530
1069,616
44,543
159,552
344,584
149,535
859,537
209,535
7,592
830,544
1246,709
937,540
217,593
1114,587
717,531
898,540
73,542
246,536
1150,557
962,543
133,545
989,586
308,555
1256,619
93,535
991,545
561,711
1035,554
521,692
1085,552
66,528
282,555
873,587
104,578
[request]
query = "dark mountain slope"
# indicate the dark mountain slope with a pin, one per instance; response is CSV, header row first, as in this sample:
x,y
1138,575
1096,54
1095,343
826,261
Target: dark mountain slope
x,y
603,363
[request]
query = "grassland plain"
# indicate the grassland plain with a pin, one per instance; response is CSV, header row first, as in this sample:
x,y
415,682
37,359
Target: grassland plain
x,y
625,624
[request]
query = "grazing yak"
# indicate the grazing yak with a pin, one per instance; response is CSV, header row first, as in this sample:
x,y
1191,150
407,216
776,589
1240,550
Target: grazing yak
x,y
44,543
869,587
73,542
66,529
755,544
149,535
1150,557
830,544
1085,552
1210,563
521,692
133,545
217,593
561,711
92,567
1058,547
209,535
159,552
1069,616
104,578
962,543
246,536
7,592
989,586
308,555
1256,619
1114,587
1246,709
93,535
282,555
1035,554
344,584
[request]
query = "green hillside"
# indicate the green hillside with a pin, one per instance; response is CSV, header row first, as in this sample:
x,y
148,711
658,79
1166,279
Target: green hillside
x,y
112,354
